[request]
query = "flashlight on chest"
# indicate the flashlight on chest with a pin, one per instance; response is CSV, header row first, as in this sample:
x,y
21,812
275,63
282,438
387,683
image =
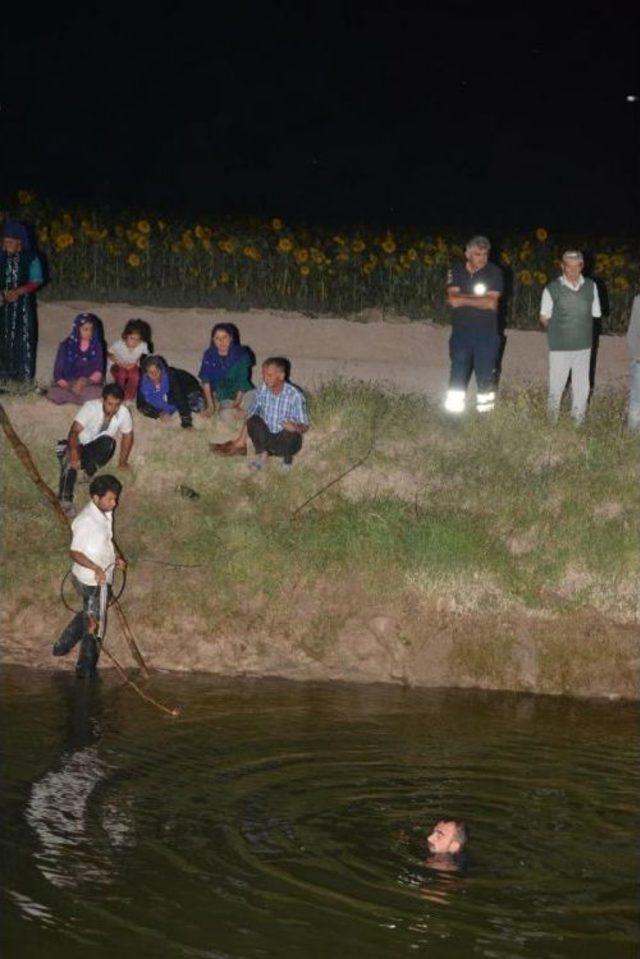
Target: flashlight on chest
x,y
479,289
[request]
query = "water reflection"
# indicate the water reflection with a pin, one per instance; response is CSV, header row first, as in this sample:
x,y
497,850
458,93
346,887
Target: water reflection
x,y
77,823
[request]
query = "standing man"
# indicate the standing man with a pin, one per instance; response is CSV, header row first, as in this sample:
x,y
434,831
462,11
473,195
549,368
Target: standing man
x,y
92,441
473,291
633,341
277,417
94,560
569,305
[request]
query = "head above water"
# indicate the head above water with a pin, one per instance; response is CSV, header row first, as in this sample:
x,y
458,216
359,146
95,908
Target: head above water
x,y
105,491
448,837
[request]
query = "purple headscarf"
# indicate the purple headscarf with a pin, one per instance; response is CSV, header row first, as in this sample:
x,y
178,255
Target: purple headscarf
x,y
71,361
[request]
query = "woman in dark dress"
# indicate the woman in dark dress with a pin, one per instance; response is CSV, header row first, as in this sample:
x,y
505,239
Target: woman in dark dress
x,y
20,277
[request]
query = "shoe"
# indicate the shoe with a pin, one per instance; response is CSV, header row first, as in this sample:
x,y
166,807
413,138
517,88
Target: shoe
x,y
256,465
285,467
220,448
236,451
68,508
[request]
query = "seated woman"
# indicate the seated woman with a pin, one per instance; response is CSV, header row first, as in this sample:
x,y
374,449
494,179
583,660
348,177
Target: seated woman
x,y
165,390
78,372
225,374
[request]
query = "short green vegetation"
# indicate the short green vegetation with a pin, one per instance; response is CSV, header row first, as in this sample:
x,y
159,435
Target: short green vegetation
x,y
488,513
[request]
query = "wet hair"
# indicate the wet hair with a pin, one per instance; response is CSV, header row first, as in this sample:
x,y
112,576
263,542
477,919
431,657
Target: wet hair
x,y
461,833
479,243
229,328
105,483
113,389
141,328
281,362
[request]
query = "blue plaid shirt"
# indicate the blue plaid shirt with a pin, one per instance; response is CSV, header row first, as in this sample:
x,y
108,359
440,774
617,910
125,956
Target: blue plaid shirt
x,y
275,408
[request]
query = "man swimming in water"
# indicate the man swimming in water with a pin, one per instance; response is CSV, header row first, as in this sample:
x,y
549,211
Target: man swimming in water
x,y
446,843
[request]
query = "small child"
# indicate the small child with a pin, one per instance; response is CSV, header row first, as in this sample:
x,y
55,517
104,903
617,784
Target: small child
x,y
126,352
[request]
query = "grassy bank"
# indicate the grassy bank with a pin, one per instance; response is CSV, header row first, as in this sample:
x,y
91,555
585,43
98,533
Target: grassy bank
x,y
493,551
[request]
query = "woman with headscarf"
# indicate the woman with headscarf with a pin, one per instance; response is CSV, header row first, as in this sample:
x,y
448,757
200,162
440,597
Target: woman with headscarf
x,y
20,276
225,374
78,373
165,390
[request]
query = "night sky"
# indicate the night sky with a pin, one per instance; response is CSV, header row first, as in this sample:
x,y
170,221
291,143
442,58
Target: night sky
x,y
439,116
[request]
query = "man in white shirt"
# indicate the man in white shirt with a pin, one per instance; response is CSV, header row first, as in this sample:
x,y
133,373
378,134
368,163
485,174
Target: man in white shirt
x,y
94,561
569,305
92,441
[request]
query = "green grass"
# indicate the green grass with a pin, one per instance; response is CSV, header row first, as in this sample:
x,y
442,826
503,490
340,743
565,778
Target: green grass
x,y
500,511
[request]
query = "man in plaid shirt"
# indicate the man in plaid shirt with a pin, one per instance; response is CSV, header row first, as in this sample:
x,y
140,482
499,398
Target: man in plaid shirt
x,y
277,416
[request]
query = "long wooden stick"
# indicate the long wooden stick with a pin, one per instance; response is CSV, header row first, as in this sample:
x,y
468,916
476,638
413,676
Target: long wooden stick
x,y
25,458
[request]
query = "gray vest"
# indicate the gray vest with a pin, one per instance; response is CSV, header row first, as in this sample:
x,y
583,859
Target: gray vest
x,y
571,324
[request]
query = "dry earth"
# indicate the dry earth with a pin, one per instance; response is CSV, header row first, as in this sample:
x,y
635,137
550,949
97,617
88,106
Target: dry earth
x,y
413,357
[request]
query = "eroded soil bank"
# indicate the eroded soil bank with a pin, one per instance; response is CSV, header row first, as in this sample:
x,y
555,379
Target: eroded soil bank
x,y
577,653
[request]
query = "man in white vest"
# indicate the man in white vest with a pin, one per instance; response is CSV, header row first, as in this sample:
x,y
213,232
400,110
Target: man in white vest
x,y
569,305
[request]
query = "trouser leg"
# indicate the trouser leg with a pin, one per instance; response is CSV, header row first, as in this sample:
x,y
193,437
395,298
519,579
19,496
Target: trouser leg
x,y
559,366
68,477
461,356
89,645
70,636
284,444
258,433
580,360
634,396
485,357
97,454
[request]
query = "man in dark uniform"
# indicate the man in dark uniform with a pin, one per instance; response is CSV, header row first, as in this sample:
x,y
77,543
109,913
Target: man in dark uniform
x,y
473,291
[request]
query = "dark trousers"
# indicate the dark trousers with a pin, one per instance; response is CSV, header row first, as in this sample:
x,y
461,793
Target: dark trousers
x,y
92,457
283,444
81,630
473,350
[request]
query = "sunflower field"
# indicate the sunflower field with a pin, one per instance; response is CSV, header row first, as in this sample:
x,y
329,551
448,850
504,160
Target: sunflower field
x,y
244,263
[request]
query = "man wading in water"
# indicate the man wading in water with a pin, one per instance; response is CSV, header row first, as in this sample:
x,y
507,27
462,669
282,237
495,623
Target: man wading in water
x,y
94,560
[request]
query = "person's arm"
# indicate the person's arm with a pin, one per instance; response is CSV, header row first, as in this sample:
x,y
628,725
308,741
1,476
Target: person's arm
x,y
208,398
82,560
58,367
546,309
485,301
146,408
126,444
74,445
301,422
32,284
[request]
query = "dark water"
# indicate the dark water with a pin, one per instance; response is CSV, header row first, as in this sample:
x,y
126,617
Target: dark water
x,y
279,819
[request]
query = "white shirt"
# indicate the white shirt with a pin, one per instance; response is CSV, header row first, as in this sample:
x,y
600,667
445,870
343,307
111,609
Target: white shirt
x,y
124,354
91,417
92,535
546,307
